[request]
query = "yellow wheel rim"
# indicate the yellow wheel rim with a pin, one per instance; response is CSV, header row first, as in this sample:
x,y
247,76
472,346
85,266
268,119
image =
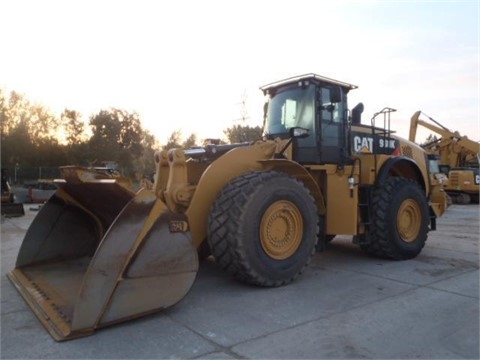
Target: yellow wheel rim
x,y
281,230
409,220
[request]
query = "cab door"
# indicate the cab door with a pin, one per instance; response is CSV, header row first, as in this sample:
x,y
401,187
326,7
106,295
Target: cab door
x,y
332,118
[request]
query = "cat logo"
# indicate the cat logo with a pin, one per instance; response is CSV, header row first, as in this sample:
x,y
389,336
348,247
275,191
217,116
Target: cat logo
x,y
363,144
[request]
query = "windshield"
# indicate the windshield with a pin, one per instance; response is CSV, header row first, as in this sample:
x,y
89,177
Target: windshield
x,y
291,108
433,166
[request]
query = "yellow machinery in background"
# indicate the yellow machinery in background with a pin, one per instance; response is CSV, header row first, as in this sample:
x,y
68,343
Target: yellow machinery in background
x,y
458,159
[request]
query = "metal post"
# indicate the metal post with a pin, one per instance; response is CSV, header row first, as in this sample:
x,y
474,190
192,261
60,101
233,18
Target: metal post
x,y
17,166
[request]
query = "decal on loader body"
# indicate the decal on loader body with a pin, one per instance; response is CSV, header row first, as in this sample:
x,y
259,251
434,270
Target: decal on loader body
x,y
376,144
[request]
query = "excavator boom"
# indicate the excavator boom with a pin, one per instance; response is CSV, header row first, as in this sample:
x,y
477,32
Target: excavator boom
x,y
458,157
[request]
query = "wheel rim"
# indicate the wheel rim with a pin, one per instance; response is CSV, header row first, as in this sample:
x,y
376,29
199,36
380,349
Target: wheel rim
x,y
409,219
281,230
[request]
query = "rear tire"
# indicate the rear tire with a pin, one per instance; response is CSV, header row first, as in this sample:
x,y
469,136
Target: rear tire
x,y
399,221
263,228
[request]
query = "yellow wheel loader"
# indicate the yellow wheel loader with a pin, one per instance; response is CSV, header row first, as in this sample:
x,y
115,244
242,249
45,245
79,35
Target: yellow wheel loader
x,y
99,252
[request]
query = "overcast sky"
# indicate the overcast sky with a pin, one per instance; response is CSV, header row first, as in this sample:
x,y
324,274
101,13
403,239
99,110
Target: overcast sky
x,y
186,65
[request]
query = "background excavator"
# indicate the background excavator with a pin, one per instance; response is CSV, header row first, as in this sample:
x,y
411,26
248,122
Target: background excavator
x,y
457,156
100,252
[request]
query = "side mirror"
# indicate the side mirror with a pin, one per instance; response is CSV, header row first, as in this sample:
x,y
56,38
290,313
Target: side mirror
x,y
298,132
336,95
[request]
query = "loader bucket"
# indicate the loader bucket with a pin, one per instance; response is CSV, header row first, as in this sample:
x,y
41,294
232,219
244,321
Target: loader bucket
x,y
98,253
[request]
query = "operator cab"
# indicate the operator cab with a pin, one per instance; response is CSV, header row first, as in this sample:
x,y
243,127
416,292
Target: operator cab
x,y
311,102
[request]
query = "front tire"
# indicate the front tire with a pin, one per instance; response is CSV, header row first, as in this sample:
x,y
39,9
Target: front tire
x,y
263,228
400,220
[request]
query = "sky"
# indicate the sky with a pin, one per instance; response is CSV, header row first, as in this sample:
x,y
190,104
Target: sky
x,y
189,65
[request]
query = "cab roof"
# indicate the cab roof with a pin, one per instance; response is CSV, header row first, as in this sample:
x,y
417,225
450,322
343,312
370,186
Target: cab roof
x,y
310,76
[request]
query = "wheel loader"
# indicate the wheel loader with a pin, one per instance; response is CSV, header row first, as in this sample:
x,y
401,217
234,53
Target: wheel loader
x,y
99,252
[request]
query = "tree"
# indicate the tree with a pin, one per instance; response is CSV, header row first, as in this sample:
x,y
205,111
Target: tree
x,y
3,113
34,137
146,163
243,133
43,125
29,136
73,126
174,140
74,137
116,136
190,142
14,111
